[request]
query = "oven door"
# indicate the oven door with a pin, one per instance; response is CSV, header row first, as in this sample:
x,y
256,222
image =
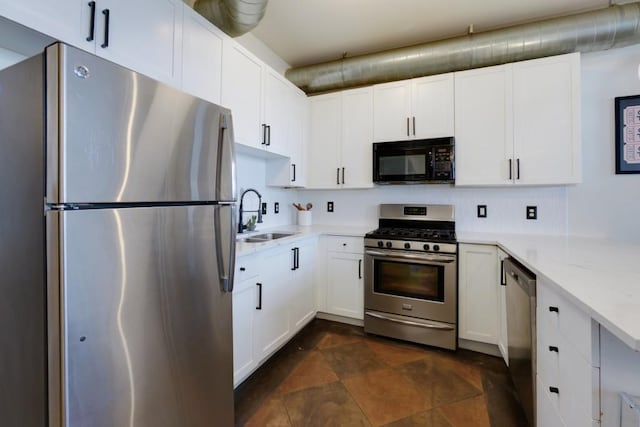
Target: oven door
x,y
411,284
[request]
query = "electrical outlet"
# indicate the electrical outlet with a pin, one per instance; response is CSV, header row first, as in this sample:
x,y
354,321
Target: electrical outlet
x,y
264,208
329,206
532,212
276,207
482,211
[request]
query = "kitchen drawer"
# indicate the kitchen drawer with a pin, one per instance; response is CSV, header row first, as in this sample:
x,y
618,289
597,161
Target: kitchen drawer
x,y
576,327
546,407
354,245
547,361
247,267
578,384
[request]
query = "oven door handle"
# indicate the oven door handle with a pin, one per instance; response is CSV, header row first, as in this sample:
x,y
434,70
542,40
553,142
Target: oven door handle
x,y
438,259
409,322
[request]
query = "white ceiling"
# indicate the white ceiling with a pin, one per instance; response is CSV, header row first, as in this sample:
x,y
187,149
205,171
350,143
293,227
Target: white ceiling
x,y
305,32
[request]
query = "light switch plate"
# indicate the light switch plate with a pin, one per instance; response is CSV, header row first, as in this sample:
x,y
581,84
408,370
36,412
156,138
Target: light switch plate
x,y
329,206
276,207
264,208
482,211
532,212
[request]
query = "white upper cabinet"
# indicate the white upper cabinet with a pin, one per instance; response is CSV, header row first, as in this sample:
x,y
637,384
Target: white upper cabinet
x,y
519,123
483,128
201,57
413,109
277,102
241,92
357,138
323,159
145,35
546,120
340,140
58,19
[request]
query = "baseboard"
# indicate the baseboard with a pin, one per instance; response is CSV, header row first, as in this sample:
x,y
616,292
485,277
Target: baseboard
x,y
480,347
341,319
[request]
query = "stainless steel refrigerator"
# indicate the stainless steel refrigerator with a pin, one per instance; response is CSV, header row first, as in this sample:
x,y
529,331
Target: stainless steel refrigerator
x,y
117,238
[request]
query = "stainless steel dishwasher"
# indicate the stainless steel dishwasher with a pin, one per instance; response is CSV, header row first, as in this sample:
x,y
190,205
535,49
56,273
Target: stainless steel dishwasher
x,y
521,333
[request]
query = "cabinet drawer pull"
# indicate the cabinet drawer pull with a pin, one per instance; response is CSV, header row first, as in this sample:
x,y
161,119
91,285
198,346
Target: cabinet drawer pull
x,y
553,348
554,390
243,269
553,309
259,306
105,43
92,21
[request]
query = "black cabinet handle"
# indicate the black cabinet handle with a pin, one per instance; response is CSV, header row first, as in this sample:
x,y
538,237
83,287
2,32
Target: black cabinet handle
x,y
297,258
343,175
264,134
553,348
517,168
243,269
510,169
268,135
414,125
294,172
92,21
407,126
337,176
259,306
554,390
105,44
359,269
554,309
502,281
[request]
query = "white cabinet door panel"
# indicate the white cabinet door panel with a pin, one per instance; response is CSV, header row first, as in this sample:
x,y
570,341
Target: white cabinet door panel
x,y
201,57
276,113
432,106
391,111
483,126
357,137
324,141
345,293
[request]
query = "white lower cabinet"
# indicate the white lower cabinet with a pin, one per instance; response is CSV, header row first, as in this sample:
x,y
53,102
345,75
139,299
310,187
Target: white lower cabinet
x,y
503,344
273,298
478,290
567,361
345,284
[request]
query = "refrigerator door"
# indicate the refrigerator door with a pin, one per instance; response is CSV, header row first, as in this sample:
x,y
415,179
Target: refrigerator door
x,y
115,136
146,325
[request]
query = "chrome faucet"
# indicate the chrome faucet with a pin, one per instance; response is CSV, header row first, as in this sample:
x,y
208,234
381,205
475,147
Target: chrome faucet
x,y
241,226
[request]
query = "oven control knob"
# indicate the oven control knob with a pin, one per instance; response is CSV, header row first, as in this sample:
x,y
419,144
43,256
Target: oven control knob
x,y
425,247
436,247
407,245
380,244
389,244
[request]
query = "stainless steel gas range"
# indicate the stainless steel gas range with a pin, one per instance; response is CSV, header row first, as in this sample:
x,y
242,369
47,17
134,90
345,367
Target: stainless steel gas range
x,y
410,275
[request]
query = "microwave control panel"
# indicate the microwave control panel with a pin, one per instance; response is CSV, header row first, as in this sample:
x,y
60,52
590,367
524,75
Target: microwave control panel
x,y
443,162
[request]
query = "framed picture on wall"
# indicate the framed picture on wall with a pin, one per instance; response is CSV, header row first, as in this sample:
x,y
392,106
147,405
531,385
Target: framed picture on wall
x,y
627,134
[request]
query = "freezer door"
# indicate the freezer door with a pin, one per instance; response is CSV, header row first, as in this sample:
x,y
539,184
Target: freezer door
x,y
146,324
115,136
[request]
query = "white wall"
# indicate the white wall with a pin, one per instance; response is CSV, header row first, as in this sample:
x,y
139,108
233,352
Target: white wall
x,y
605,204
505,206
251,174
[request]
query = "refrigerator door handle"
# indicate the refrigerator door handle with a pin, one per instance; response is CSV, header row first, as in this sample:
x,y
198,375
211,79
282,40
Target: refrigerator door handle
x,y
225,250
226,162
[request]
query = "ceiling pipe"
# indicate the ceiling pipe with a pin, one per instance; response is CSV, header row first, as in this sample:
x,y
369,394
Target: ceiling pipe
x,y
234,17
615,26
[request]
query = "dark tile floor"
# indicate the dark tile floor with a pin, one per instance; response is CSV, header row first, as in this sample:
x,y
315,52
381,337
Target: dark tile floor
x,y
333,374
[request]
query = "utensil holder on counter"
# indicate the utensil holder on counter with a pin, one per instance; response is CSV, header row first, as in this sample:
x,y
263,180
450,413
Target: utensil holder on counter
x,y
304,217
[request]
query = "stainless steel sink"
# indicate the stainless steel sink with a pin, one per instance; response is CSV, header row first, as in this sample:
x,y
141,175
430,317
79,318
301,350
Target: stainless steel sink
x,y
265,237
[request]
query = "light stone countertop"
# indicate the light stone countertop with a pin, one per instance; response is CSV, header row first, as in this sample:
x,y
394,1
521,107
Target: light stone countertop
x,y
600,276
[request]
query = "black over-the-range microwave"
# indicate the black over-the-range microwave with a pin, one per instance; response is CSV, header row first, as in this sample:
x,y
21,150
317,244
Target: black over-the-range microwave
x,y
421,161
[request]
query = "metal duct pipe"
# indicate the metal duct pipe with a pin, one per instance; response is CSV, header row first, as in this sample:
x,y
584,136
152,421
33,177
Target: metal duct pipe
x,y
615,26
234,17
